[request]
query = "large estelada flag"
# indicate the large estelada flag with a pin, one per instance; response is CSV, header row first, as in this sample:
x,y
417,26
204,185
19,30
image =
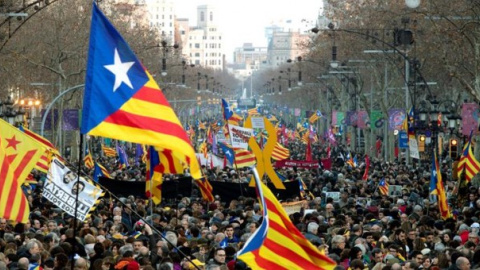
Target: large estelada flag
x,y
18,156
277,243
122,100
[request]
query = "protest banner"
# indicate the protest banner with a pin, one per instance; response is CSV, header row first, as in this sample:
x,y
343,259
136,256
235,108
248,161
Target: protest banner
x,y
296,163
240,136
61,188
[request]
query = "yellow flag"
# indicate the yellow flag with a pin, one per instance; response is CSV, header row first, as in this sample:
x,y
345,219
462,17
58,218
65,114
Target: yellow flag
x,y
18,156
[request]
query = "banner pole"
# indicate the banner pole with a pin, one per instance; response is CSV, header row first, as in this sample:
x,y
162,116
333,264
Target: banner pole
x,y
77,192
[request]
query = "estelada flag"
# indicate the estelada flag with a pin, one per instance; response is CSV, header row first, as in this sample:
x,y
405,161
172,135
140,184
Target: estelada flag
x,y
18,156
122,100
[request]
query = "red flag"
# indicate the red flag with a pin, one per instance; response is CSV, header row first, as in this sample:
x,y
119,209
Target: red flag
x,y
308,151
367,166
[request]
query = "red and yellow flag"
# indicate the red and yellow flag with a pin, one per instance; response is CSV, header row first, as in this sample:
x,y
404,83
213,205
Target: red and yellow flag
x,y
18,156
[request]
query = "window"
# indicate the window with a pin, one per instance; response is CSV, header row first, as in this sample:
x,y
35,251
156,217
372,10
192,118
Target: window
x,y
197,54
163,17
211,16
197,45
197,62
202,16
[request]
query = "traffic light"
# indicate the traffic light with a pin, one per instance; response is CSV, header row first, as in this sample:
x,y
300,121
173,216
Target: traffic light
x,y
453,147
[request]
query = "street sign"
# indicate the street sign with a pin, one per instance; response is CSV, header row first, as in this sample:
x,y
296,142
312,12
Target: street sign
x,y
403,139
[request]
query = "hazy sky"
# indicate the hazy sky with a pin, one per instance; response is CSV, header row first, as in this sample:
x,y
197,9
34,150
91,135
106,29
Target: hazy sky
x,y
244,20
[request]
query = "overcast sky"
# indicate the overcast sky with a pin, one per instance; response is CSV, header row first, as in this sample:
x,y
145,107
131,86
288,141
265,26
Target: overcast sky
x,y
245,20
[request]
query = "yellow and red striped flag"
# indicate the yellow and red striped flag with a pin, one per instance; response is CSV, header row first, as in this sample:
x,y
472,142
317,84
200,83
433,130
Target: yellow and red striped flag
x,y
205,188
253,111
280,152
383,187
88,161
109,151
468,164
18,155
134,107
154,178
277,243
244,158
438,188
315,116
43,164
169,163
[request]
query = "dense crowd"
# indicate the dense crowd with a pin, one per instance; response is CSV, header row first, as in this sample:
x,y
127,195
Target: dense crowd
x,y
359,230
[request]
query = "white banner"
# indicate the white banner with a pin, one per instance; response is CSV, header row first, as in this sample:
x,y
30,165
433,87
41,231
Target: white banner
x,y
413,147
60,189
240,136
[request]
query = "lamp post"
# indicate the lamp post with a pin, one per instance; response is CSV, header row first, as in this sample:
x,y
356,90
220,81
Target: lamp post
x,y
165,49
433,121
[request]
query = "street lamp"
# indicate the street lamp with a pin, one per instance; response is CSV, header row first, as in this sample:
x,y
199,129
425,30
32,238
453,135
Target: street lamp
x,y
165,49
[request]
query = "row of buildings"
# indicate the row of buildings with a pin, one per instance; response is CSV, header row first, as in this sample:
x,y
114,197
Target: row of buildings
x,y
202,41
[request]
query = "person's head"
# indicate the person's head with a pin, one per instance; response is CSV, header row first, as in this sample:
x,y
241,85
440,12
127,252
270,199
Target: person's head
x,y
377,255
462,263
338,241
417,256
3,224
410,265
81,264
23,263
400,235
312,227
229,231
33,247
356,264
52,225
331,220
329,208
137,244
412,234
220,255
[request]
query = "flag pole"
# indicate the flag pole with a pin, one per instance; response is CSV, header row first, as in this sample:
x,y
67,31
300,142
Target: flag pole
x,y
77,192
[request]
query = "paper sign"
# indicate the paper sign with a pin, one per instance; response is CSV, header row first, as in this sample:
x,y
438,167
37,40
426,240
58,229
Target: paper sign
x,y
240,136
61,189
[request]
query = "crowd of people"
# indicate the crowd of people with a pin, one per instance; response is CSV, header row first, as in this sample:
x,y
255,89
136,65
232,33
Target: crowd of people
x,y
361,229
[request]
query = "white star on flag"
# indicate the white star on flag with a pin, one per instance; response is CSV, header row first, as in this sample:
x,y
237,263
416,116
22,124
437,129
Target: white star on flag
x,y
120,71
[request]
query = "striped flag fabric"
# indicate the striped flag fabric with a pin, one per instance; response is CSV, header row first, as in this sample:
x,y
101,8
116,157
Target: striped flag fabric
x,y
133,107
109,151
468,164
436,181
88,161
169,163
253,111
43,164
154,177
19,154
100,171
280,152
205,188
367,167
277,243
315,116
383,187
244,158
